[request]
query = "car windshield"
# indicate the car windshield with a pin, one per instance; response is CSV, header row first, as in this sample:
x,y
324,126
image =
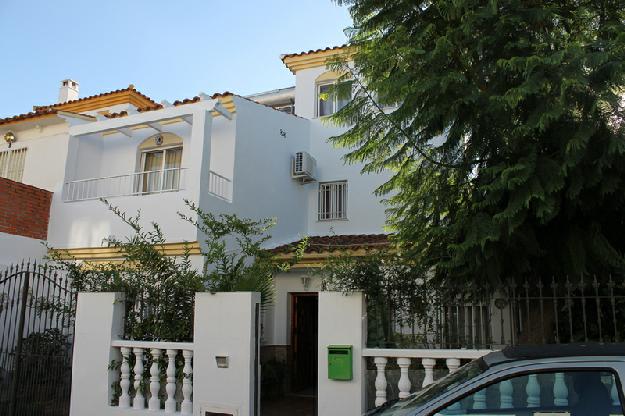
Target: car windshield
x,y
434,390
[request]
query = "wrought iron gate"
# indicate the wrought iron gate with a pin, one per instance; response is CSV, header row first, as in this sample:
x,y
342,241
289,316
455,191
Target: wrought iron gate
x,y
37,307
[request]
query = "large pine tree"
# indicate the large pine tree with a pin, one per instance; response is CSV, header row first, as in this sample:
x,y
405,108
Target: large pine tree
x,y
508,134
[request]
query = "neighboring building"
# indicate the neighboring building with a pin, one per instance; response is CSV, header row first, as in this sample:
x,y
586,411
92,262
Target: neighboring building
x,y
265,155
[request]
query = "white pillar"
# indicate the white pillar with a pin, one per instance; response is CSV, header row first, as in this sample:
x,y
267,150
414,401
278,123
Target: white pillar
x,y
404,381
99,320
225,328
342,321
380,381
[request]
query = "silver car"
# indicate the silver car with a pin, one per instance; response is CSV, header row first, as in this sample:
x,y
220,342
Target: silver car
x,y
547,380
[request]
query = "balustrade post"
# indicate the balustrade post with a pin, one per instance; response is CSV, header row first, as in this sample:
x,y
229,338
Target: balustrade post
x,y
124,384
170,387
428,364
404,381
138,402
614,394
506,391
479,399
186,408
380,381
453,364
533,391
155,381
560,391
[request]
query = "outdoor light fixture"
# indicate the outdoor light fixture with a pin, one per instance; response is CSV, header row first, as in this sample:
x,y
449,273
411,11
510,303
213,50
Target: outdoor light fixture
x,y
222,361
10,138
158,140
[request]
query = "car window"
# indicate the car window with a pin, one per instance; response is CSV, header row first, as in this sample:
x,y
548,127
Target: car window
x,y
574,393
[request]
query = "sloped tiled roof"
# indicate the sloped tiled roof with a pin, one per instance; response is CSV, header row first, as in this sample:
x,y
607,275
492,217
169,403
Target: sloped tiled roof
x,y
311,51
329,243
93,102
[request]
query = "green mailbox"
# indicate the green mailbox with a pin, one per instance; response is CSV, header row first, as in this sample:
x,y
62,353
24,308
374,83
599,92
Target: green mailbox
x,y
340,362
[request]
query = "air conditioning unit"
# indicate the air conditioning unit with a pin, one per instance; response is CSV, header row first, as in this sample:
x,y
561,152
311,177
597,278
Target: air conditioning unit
x,y
303,167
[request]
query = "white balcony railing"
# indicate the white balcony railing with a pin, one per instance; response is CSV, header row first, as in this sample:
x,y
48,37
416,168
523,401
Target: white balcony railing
x,y
405,357
169,358
220,186
137,183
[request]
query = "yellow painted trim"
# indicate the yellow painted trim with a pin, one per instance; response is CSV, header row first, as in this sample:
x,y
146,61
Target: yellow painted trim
x,y
314,59
102,254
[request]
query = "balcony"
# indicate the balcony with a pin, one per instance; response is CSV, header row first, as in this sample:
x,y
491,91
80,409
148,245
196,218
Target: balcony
x,y
137,183
141,183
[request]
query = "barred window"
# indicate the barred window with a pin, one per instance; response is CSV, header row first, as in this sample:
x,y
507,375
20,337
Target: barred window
x,y
12,164
332,201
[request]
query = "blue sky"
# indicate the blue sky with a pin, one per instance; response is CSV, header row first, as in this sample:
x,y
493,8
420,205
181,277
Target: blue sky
x,y
167,49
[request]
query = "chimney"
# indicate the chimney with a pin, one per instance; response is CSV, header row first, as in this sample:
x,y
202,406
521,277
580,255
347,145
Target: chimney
x,y
68,91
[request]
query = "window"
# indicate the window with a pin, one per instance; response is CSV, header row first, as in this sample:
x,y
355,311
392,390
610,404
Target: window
x,y
160,170
12,164
331,97
332,201
575,393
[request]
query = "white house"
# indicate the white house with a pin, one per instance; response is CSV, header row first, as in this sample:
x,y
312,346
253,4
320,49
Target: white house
x,y
265,155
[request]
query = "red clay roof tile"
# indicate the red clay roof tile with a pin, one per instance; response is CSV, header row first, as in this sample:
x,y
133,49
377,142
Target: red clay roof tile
x,y
318,244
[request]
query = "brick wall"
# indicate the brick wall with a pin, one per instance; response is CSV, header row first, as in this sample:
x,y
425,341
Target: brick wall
x,y
24,209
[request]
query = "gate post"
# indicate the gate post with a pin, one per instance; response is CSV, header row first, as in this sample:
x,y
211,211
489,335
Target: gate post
x,y
342,320
99,320
226,343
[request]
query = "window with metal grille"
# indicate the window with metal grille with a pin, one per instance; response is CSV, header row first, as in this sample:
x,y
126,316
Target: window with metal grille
x,y
12,164
332,201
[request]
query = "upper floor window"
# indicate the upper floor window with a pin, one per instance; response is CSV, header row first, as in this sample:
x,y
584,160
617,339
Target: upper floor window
x,y
160,164
12,164
328,100
332,201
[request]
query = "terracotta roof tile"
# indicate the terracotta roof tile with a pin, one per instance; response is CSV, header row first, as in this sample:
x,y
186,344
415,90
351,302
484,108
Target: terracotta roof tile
x,y
175,103
91,97
329,48
38,112
319,244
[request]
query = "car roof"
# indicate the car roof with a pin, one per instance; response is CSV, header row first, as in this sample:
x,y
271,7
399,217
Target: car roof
x,y
529,352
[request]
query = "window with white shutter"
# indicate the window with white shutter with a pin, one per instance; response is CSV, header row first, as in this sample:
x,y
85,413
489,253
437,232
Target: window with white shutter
x,y
12,164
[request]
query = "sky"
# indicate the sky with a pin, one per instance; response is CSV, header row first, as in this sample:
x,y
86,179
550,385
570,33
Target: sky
x,y
168,49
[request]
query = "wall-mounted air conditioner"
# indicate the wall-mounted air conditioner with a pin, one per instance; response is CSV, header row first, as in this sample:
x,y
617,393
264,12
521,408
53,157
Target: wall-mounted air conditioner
x,y
303,167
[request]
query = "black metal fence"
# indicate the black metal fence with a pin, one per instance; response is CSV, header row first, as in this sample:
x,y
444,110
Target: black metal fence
x,y
36,337
583,309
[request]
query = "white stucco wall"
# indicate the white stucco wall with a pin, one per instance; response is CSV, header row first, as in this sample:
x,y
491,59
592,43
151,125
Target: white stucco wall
x,y
306,92
14,248
277,318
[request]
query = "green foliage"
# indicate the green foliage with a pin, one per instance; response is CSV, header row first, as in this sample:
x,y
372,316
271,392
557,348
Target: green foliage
x,y
160,289
508,139
394,287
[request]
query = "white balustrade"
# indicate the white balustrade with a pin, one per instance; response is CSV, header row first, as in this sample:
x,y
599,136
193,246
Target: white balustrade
x,y
380,381
220,186
532,389
479,399
560,391
157,351
124,384
506,392
138,401
614,394
155,381
136,183
404,358
404,380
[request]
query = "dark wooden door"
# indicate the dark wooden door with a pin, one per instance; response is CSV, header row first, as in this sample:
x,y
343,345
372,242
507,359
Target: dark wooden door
x,y
304,319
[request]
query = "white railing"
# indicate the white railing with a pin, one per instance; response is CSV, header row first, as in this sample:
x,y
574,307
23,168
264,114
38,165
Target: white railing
x,y
220,186
404,357
137,183
177,394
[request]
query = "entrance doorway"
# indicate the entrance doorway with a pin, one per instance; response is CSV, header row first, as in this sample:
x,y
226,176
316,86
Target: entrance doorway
x,y
304,327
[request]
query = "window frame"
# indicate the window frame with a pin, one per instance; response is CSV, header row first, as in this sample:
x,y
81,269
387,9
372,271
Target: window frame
x,y
332,215
486,380
334,97
141,186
